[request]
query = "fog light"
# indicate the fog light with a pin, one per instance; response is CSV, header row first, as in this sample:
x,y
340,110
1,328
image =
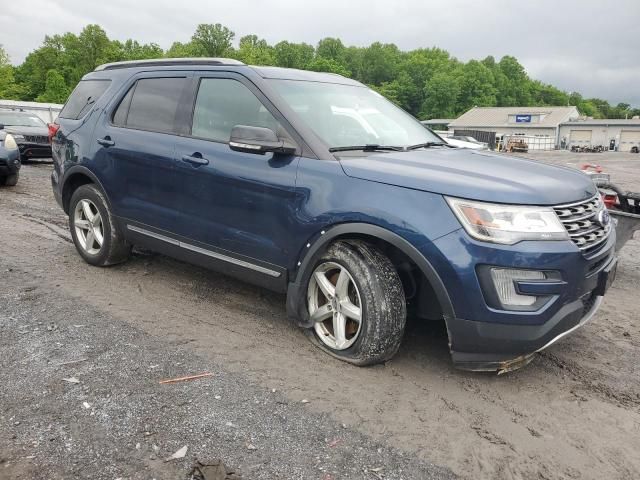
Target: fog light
x,y
504,280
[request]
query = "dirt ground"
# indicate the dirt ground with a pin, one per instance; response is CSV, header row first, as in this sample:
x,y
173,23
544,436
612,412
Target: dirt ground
x,y
573,413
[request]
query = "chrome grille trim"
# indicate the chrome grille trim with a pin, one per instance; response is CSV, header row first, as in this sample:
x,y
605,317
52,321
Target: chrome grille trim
x,y
36,139
580,219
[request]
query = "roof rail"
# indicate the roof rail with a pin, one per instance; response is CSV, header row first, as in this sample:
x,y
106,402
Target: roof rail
x,y
168,62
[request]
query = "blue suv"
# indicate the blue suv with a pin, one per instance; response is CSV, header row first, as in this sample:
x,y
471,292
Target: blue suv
x,y
315,185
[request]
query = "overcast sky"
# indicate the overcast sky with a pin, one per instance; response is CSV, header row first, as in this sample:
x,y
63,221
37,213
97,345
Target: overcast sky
x,y
589,46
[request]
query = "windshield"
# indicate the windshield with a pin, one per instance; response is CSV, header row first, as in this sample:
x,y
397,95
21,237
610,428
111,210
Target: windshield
x,y
346,115
20,119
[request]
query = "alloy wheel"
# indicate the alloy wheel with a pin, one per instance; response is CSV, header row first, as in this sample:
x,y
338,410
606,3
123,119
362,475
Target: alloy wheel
x,y
89,227
335,306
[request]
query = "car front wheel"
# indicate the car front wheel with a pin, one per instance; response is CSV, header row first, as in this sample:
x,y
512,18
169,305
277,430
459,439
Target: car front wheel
x,y
357,304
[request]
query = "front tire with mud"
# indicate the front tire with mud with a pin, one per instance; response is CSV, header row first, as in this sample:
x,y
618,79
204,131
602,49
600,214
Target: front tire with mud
x,y
93,229
356,300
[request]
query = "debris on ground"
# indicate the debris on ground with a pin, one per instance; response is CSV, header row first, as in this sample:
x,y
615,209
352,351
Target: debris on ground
x,y
214,470
71,380
185,379
178,455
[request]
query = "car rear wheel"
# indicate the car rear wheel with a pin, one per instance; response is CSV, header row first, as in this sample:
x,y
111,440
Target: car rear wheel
x,y
356,301
93,229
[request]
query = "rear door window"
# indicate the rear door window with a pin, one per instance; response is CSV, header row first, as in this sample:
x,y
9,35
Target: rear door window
x,y
223,103
84,96
154,104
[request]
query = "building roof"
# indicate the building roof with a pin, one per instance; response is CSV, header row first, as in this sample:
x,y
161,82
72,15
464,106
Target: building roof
x,y
437,121
605,122
499,117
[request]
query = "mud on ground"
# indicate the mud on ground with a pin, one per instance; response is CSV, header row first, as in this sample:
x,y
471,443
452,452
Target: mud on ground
x,y
574,413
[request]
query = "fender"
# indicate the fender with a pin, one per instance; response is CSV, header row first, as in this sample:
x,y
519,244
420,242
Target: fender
x,y
296,308
81,169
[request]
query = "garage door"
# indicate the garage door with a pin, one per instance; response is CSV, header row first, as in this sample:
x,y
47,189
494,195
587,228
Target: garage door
x,y
580,137
628,139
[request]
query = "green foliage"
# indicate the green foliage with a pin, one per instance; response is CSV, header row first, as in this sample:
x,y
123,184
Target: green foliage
x,y
255,51
426,82
212,40
9,89
56,90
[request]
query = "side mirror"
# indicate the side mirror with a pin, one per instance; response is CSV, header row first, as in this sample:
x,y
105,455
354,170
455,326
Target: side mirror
x,y
258,140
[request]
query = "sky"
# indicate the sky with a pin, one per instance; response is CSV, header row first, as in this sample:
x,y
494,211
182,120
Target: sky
x,y
588,46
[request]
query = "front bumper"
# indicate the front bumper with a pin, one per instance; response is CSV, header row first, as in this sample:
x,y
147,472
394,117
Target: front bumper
x,y
483,338
35,150
9,162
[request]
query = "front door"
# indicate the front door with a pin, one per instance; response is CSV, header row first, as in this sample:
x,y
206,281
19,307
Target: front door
x,y
241,203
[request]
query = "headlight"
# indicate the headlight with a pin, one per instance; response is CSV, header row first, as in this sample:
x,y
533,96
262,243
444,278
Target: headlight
x,y
10,143
507,224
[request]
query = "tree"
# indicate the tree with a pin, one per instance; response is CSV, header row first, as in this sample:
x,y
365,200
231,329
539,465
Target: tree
x,y
427,82
321,64
9,89
476,86
331,49
293,55
441,96
255,51
212,40
56,90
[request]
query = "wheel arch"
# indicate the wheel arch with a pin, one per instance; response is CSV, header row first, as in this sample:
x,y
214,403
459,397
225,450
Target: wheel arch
x,y
296,309
75,177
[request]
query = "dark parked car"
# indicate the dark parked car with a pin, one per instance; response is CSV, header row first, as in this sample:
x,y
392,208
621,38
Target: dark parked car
x,y
314,185
9,160
30,132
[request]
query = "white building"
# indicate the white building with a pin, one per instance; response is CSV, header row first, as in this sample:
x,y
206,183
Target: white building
x,y
615,134
541,125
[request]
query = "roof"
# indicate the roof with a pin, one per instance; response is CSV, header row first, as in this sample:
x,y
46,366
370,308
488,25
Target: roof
x,y
304,75
499,117
604,122
168,62
437,121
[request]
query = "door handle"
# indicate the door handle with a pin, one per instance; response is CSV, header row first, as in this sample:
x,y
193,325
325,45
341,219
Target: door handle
x,y
106,142
195,159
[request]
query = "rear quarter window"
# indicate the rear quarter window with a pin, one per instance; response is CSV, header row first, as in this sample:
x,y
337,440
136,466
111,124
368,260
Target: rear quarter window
x,y
86,94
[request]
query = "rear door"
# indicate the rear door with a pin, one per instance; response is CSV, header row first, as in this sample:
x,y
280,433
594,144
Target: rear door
x,y
135,142
241,203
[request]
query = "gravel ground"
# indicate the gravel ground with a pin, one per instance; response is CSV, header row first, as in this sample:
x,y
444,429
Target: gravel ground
x,y
574,413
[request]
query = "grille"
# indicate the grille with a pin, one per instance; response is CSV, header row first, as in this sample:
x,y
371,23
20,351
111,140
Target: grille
x,y
581,221
36,139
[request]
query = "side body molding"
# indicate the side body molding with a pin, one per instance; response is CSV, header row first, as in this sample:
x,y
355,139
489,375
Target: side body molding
x,y
296,293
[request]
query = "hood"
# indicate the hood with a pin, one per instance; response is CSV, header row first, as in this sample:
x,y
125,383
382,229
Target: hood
x,y
22,130
473,175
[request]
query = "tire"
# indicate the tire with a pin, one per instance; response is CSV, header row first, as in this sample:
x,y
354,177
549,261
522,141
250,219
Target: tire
x,y
374,286
113,248
10,180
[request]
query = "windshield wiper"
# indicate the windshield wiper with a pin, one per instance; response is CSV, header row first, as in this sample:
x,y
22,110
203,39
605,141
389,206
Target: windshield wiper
x,y
427,145
367,148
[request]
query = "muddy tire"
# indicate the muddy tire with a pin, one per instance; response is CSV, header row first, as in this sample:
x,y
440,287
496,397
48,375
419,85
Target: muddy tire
x,y
10,180
356,300
93,228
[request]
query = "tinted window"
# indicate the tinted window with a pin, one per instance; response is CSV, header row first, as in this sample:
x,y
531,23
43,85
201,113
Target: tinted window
x,y
83,97
154,104
120,115
222,104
